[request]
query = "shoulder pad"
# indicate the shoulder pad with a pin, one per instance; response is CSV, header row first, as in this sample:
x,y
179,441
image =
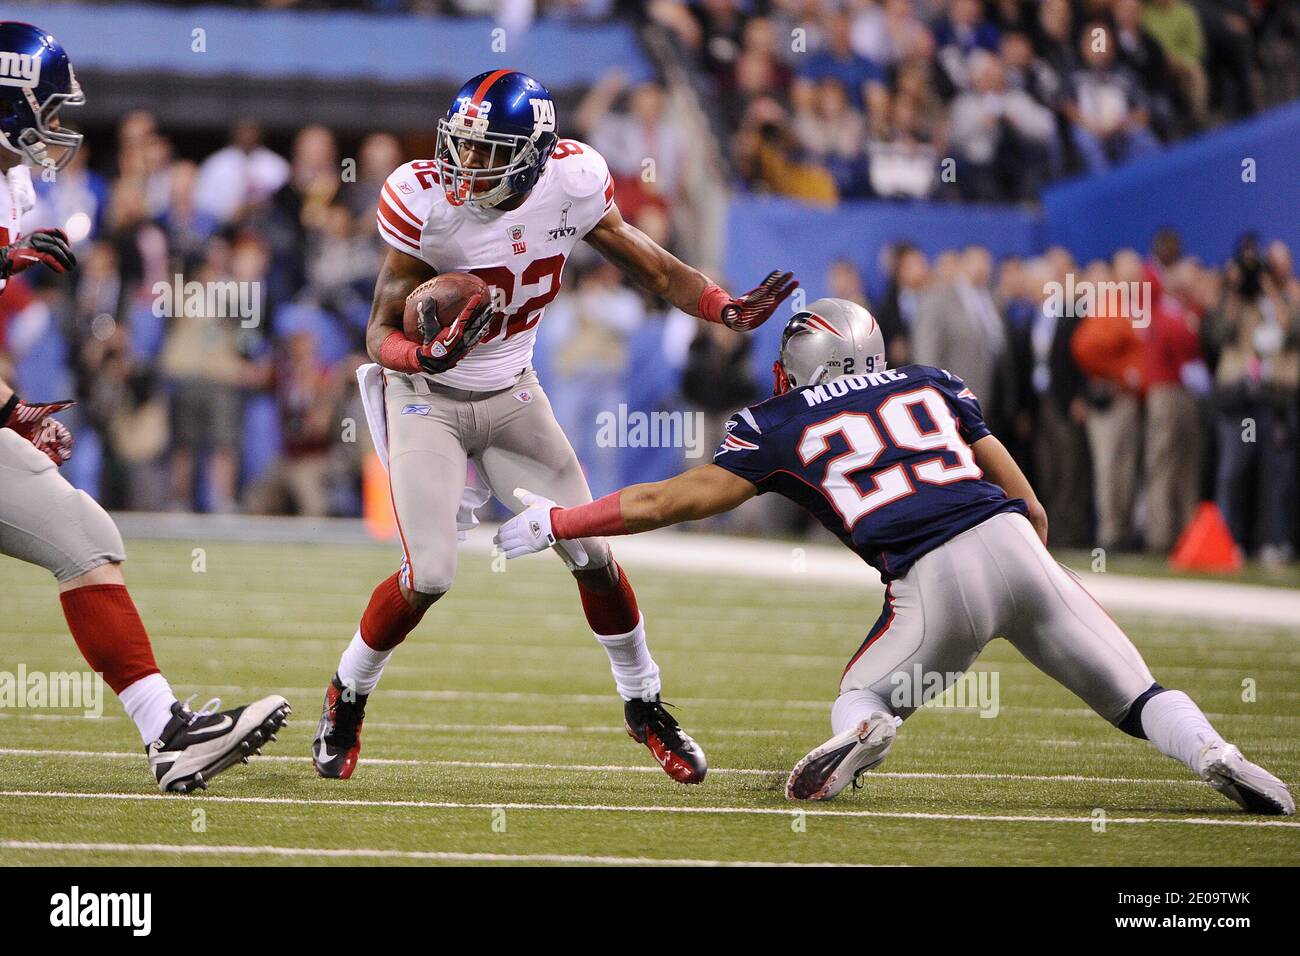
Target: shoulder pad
x,y
581,174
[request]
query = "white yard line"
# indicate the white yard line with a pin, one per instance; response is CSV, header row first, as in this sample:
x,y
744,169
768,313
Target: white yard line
x,y
426,855
621,768
614,808
451,728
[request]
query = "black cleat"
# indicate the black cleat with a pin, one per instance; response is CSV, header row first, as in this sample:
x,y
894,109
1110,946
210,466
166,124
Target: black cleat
x,y
338,735
195,747
648,723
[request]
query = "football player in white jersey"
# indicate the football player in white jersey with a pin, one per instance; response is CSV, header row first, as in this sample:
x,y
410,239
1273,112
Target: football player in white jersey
x,y
506,199
46,521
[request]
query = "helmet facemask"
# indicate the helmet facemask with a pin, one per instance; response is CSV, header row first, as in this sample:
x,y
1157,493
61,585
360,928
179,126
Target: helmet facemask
x,y
784,380
828,339
33,142
483,186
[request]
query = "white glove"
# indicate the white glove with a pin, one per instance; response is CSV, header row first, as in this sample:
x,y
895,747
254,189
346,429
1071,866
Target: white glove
x,y
530,531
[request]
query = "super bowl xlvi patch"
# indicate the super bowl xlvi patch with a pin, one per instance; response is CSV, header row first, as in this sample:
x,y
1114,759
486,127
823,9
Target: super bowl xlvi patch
x,y
563,229
523,396
417,409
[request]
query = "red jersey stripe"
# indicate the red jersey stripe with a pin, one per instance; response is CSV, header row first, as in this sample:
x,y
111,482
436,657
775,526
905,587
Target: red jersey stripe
x,y
397,222
383,227
392,197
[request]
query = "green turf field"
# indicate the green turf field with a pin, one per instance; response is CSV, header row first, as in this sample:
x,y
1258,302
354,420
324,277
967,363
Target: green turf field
x,y
495,736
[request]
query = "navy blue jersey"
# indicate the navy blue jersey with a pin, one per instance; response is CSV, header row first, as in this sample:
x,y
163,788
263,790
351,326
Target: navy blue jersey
x,y
882,460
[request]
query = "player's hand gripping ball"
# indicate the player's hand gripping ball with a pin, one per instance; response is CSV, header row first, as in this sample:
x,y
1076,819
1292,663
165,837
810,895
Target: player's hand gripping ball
x,y
447,316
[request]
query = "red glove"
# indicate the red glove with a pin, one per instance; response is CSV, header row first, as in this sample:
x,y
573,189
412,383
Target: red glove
x,y
753,308
34,423
46,246
454,342
445,349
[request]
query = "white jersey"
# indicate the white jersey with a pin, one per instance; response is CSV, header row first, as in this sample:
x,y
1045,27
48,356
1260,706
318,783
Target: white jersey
x,y
519,253
17,196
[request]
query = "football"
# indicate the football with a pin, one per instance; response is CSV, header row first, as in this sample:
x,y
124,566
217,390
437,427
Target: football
x,y
434,305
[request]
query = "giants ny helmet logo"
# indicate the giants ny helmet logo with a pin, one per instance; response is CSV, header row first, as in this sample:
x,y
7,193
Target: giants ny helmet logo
x,y
19,69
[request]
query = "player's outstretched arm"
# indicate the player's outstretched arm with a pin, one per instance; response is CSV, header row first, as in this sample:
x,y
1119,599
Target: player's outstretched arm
x,y
398,278
658,270
699,493
1001,469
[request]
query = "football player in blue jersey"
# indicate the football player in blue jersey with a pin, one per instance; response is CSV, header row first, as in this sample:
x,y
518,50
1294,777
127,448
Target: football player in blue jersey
x,y
900,466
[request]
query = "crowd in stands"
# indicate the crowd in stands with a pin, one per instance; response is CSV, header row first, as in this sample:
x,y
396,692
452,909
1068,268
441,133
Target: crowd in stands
x,y
1129,411
977,100
1124,420
1125,417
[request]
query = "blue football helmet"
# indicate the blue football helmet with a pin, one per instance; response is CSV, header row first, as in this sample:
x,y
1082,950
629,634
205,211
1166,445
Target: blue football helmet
x,y
36,81
506,116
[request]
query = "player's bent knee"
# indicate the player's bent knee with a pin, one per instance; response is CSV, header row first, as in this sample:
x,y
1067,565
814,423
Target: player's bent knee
x,y
429,575
92,541
423,590
1131,722
600,558
422,600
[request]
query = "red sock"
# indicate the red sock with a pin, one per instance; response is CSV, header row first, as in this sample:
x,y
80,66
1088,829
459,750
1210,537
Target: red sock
x,y
613,611
388,617
109,632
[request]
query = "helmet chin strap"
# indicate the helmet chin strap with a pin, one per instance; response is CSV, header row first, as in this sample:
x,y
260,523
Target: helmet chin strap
x,y
783,383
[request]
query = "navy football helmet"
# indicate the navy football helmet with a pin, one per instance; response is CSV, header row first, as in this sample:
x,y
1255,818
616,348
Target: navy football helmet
x,y
36,81
495,139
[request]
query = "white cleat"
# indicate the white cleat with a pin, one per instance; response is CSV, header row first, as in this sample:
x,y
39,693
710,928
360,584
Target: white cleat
x,y
1252,787
842,759
195,747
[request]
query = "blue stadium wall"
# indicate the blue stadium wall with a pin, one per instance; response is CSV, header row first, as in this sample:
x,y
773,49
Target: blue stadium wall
x,y
1211,189
1199,187
393,48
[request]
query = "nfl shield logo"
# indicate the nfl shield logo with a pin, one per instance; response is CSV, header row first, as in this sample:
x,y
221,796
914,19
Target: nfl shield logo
x,y
517,243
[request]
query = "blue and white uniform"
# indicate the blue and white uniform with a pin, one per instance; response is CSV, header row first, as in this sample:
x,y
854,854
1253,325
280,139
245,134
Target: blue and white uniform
x,y
884,462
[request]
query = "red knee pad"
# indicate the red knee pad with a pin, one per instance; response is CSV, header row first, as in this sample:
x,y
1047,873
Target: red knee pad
x,y
613,611
107,628
388,617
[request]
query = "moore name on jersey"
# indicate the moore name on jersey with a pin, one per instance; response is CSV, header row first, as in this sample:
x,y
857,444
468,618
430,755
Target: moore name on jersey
x,y
883,460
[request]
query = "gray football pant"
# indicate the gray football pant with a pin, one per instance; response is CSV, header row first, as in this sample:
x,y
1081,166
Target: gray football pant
x,y
46,521
995,580
510,434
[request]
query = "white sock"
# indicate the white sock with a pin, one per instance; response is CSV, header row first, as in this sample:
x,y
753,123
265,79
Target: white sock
x,y
1177,728
854,706
148,703
361,665
635,672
